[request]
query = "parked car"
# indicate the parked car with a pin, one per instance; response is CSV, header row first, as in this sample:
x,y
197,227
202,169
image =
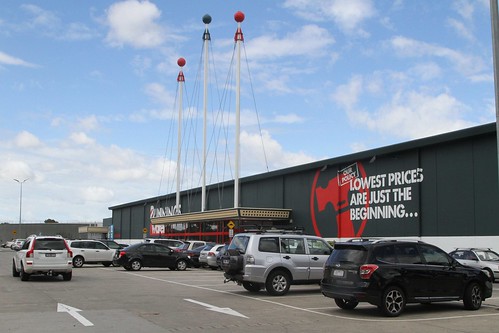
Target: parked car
x,y
139,255
17,243
390,274
45,255
190,245
220,254
482,258
195,254
275,260
91,251
172,243
113,244
211,255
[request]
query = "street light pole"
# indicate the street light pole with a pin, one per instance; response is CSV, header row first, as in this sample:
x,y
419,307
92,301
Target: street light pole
x,y
20,201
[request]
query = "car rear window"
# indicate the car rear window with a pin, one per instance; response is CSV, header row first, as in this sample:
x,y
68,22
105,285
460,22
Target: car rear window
x,y
348,254
239,243
50,244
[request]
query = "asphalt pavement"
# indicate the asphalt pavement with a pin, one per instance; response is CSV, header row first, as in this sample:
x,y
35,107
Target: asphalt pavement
x,y
110,299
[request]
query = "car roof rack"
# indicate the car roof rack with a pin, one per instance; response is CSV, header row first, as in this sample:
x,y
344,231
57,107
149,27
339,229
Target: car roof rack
x,y
473,248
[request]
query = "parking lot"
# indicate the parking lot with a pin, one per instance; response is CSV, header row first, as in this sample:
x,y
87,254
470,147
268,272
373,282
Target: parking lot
x,y
100,299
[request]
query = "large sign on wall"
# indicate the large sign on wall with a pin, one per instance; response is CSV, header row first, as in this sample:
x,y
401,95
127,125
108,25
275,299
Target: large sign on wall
x,y
358,199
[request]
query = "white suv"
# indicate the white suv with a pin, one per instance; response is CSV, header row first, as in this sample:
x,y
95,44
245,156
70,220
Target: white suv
x,y
91,252
47,255
275,260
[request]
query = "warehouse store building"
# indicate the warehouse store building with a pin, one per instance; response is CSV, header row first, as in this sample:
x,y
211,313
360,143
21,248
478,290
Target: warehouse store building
x,y
441,189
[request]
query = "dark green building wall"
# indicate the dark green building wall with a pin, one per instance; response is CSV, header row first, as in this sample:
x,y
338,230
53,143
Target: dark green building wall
x,y
450,189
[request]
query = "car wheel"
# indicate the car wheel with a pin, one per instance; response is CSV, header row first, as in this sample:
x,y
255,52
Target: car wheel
x,y
181,265
393,301
277,283
473,296
67,276
78,261
135,265
251,286
24,276
346,304
15,273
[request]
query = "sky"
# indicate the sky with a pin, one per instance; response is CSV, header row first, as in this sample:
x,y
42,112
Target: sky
x,y
89,96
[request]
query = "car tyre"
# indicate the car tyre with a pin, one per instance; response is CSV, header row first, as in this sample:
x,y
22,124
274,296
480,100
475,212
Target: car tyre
x,y
78,261
346,304
181,265
393,301
24,276
15,273
473,297
67,276
135,265
278,283
252,286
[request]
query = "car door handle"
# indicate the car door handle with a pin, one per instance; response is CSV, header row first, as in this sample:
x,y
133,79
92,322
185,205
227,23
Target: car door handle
x,y
314,258
287,257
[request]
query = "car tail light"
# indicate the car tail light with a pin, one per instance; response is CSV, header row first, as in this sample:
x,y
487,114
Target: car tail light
x,y
211,254
122,253
31,249
70,253
250,260
366,271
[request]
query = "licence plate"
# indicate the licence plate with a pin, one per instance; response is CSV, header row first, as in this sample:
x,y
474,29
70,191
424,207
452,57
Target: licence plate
x,y
49,254
338,273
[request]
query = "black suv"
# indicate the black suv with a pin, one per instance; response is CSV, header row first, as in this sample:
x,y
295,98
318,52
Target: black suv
x,y
392,273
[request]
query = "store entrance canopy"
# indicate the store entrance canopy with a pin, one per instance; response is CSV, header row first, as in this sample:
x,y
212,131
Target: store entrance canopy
x,y
240,214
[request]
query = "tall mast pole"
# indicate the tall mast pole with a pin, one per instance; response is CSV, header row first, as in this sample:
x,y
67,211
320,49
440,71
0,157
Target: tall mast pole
x,y
495,48
180,80
206,39
238,38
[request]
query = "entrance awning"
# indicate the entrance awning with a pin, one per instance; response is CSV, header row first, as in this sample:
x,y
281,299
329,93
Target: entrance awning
x,y
240,214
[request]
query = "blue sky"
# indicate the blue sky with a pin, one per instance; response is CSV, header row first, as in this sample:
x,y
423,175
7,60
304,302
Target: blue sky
x,y
88,90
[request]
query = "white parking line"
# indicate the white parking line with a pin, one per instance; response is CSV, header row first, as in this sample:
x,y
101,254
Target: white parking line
x,y
312,310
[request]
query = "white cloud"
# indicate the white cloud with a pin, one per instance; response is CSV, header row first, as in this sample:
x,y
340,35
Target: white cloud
x,y
465,64
6,59
347,95
81,138
27,140
256,148
134,23
97,194
310,41
415,115
347,14
88,123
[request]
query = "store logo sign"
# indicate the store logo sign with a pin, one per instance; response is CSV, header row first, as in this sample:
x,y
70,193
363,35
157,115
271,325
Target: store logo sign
x,y
164,211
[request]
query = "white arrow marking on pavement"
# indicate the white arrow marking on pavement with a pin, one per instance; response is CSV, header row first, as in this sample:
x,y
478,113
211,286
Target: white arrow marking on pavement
x,y
74,313
210,307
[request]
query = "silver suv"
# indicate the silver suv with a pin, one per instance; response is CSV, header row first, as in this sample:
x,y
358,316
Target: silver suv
x,y
91,251
47,255
275,260
482,258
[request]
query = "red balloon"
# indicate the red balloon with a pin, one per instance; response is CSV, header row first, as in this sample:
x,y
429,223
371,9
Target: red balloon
x,y
181,62
239,17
